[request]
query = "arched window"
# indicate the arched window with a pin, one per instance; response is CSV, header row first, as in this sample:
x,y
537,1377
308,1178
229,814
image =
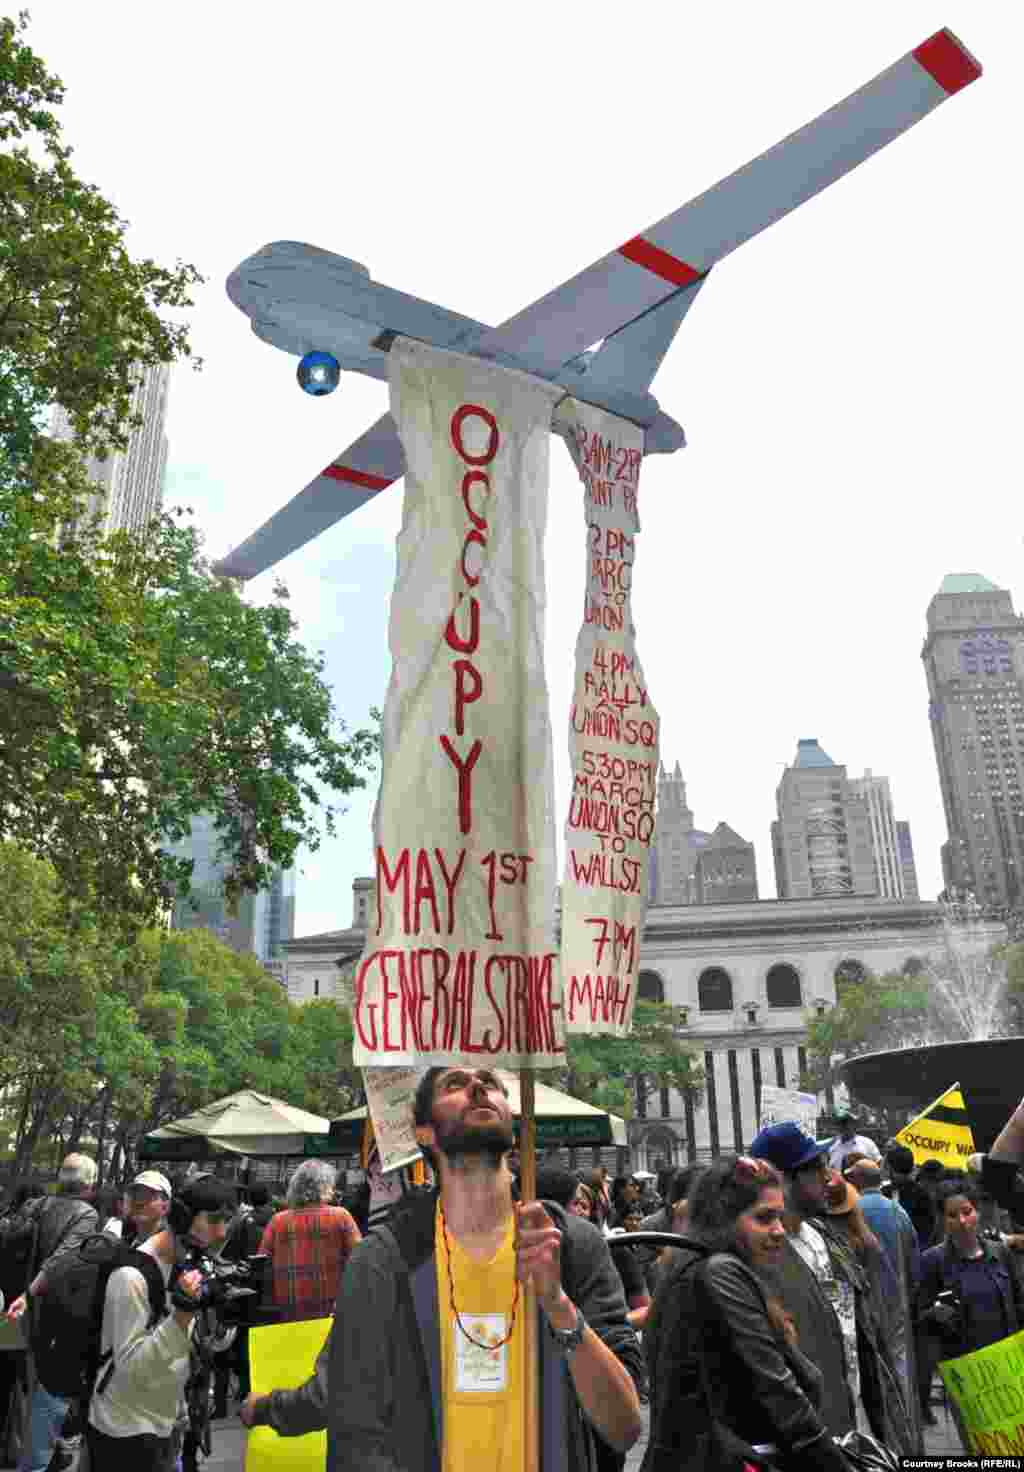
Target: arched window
x,y
650,987
714,990
849,973
782,986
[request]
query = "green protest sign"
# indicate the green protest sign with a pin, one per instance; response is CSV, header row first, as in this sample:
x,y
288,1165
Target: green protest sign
x,y
986,1388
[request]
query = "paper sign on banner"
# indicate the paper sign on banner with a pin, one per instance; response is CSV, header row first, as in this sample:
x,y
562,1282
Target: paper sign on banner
x,y
984,1388
613,740
281,1357
459,957
389,1098
781,1105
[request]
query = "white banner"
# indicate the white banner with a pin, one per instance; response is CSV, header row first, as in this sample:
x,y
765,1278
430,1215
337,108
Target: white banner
x,y
781,1105
459,958
613,740
389,1100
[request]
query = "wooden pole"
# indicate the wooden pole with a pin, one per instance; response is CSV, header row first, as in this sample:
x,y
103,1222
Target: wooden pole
x,y
528,1192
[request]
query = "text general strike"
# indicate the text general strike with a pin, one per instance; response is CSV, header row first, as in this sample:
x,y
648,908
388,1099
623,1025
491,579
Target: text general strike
x,y
430,1001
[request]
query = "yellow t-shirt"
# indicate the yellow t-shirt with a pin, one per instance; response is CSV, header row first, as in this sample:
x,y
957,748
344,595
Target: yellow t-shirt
x,y
481,1390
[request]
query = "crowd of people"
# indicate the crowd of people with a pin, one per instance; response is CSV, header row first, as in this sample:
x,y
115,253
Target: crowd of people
x,y
809,1292
151,1296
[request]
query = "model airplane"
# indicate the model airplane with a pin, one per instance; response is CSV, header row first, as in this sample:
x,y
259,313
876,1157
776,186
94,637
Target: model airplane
x,y
328,311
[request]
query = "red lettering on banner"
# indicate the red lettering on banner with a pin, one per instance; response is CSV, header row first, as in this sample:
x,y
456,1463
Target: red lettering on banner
x,y
469,684
421,890
468,689
472,478
606,997
478,537
450,881
424,891
430,996
454,639
465,770
469,411
389,881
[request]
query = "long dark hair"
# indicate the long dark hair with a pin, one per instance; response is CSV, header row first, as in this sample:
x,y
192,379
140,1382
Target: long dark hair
x,y
723,1192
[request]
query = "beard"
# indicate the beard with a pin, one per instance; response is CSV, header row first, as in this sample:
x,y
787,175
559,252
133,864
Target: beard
x,y
460,1139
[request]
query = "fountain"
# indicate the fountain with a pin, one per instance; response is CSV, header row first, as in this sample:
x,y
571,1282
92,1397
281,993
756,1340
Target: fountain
x,y
959,1041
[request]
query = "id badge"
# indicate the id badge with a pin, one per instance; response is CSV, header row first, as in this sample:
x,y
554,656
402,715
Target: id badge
x,y
481,1371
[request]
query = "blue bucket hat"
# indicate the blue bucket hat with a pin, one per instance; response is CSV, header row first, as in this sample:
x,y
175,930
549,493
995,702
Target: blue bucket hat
x,y
786,1146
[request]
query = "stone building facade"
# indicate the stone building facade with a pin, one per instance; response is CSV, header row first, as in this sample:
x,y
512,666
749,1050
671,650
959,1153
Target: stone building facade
x,y
744,978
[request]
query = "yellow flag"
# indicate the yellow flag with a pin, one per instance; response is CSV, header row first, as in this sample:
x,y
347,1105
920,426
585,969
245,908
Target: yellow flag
x,y
941,1132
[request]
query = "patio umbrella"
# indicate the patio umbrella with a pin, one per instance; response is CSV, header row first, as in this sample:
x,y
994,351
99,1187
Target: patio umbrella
x,y
244,1123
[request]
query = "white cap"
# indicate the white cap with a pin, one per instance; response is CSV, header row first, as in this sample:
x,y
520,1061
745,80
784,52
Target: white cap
x,y
155,1181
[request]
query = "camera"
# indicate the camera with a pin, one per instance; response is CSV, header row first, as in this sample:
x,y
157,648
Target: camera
x,y
234,1291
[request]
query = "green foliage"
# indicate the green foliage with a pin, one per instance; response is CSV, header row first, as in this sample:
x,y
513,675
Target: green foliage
x,y
136,689
139,691
611,1073
106,1040
78,315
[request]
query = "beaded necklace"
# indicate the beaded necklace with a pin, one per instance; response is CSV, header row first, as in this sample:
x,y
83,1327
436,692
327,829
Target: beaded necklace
x,y
451,1290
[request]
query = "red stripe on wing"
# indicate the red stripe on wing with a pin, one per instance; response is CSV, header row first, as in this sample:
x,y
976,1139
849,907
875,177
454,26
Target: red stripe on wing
x,y
642,253
948,61
357,477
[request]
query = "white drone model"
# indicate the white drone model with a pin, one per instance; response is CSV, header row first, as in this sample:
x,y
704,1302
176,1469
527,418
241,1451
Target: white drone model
x,y
328,311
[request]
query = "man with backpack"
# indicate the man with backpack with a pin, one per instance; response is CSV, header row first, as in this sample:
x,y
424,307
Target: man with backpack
x,y
145,1335
60,1224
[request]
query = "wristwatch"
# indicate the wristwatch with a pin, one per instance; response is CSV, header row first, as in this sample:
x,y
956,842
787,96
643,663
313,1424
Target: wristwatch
x,y
569,1340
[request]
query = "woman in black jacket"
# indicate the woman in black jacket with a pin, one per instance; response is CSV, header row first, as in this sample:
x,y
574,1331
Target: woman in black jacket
x,y
719,1350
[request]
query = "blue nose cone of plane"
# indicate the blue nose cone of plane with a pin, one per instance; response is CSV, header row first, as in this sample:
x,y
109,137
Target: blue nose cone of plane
x,y
318,374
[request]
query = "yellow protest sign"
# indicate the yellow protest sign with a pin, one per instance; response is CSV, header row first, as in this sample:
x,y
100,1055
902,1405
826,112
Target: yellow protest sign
x,y
942,1132
987,1391
281,1357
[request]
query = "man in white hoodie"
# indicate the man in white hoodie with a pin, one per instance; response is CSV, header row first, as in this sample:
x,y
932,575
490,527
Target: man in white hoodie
x,y
133,1417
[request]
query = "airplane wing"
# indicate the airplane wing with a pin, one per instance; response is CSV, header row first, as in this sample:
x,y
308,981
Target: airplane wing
x,y
682,248
623,288
372,463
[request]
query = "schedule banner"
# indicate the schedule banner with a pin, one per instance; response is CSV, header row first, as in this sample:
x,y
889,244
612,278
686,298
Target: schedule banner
x,y
613,739
390,1093
459,959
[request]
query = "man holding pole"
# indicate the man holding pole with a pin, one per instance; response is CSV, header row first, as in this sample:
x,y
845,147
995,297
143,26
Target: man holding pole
x,y
427,1361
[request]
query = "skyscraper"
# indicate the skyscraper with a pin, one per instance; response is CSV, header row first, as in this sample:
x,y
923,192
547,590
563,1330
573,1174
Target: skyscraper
x,y
885,843
905,845
726,869
821,839
130,483
258,923
690,866
974,661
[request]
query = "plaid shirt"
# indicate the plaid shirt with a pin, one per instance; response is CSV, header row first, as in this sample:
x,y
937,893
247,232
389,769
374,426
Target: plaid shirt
x,y
308,1250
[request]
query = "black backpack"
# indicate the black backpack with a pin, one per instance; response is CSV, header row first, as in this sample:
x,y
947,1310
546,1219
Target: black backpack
x,y
19,1247
30,1236
67,1329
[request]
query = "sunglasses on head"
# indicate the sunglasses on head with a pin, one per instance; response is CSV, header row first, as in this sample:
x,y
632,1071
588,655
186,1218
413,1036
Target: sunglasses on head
x,y
750,1171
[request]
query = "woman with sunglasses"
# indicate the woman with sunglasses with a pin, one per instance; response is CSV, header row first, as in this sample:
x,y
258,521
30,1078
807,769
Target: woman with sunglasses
x,y
724,1365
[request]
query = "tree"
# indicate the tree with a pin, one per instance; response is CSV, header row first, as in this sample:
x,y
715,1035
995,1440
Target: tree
x,y
142,691
78,316
614,1073
136,689
107,1039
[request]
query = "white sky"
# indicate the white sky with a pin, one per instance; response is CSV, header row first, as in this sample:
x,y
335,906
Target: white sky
x,y
848,381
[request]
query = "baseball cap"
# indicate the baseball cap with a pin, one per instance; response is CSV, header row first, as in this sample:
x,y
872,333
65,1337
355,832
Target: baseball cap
x,y
786,1146
154,1181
